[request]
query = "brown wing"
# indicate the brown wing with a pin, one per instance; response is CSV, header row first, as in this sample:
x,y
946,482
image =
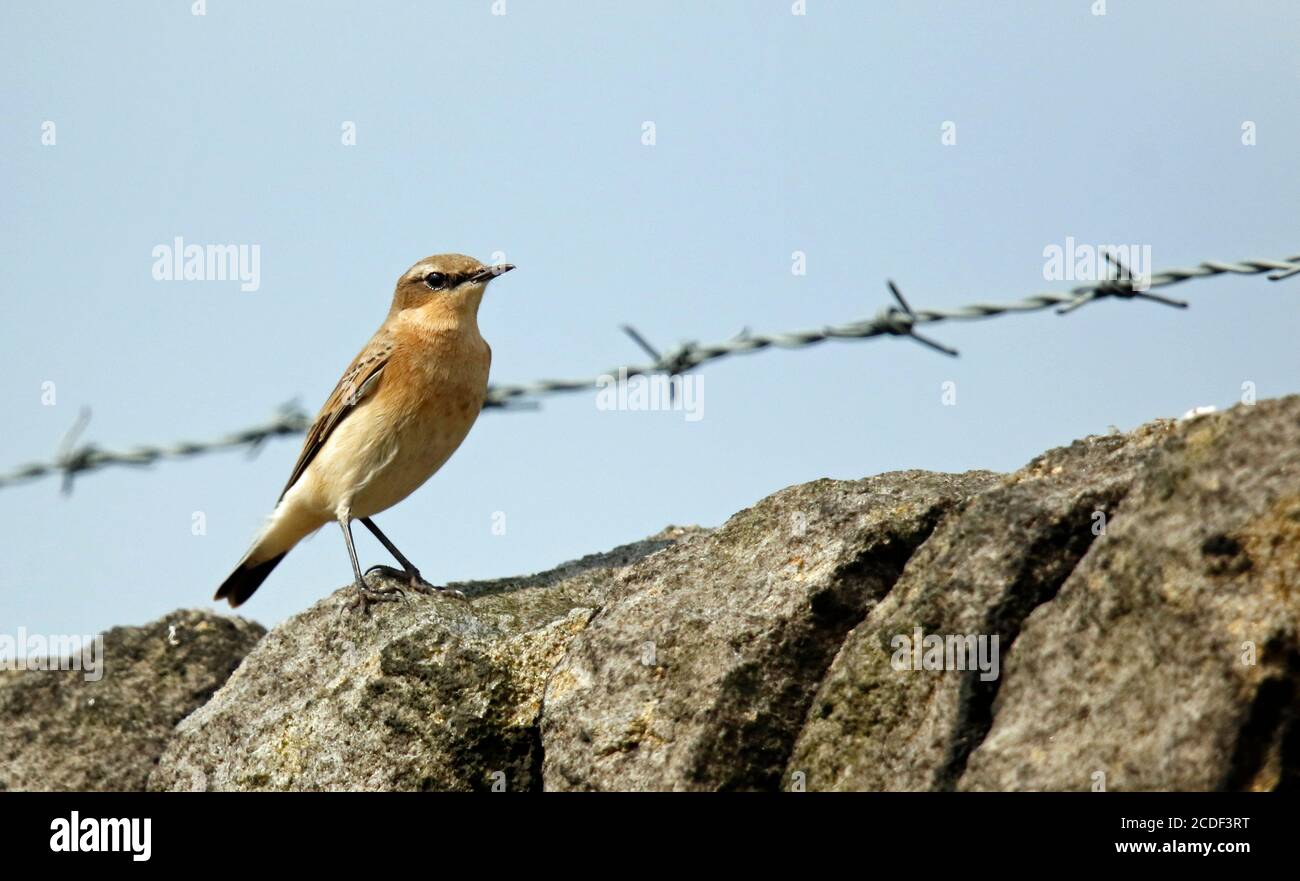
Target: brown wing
x,y
359,380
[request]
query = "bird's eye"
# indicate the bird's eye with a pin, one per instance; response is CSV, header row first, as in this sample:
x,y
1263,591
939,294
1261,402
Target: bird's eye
x,y
435,280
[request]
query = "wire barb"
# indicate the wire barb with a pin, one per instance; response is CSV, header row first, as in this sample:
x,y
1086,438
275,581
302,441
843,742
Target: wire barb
x,y
900,320
1120,283
674,364
70,458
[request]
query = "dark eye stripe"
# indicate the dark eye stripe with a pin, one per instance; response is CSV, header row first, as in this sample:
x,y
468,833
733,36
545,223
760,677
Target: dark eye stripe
x,y
442,281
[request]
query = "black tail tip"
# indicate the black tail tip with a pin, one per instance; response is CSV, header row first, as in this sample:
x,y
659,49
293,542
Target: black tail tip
x,y
245,580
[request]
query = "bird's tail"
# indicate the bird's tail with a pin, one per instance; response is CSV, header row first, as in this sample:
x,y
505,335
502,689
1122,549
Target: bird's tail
x,y
246,579
286,526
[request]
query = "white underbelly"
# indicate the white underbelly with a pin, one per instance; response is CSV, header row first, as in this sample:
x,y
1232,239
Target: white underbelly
x,y
372,461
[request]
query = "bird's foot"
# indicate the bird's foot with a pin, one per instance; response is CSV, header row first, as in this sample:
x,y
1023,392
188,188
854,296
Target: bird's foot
x,y
366,596
414,582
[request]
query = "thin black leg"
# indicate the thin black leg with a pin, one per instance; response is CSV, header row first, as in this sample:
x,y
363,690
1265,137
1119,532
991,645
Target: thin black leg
x,y
366,595
392,548
414,580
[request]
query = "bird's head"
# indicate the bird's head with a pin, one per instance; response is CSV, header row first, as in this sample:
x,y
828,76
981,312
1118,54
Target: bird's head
x,y
445,289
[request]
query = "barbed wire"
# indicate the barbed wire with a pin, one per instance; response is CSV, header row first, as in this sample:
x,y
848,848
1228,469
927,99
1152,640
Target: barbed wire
x,y
898,319
901,321
72,460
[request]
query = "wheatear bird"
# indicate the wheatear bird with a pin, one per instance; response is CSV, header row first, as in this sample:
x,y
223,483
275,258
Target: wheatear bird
x,y
402,408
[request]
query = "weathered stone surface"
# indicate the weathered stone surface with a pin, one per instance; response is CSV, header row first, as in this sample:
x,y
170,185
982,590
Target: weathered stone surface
x,y
59,731
1163,653
875,727
1141,668
698,675
434,693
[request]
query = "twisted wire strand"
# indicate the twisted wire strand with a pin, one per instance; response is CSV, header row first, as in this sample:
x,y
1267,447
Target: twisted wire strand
x,y
901,320
887,321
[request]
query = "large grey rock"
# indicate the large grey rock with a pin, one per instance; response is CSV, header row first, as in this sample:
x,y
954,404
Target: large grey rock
x,y
61,731
698,675
876,727
1170,657
1162,654
433,693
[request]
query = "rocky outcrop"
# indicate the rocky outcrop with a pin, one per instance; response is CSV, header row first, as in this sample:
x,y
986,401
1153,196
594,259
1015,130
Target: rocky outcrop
x,y
69,729
875,726
432,693
1122,613
700,674
1170,657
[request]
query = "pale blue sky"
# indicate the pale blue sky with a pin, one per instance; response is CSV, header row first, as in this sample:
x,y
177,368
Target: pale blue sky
x,y
522,133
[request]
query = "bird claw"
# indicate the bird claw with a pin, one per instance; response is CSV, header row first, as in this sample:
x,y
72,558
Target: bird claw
x,y
414,582
366,596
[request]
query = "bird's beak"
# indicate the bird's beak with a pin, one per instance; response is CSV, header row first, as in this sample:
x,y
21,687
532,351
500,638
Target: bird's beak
x,y
490,272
